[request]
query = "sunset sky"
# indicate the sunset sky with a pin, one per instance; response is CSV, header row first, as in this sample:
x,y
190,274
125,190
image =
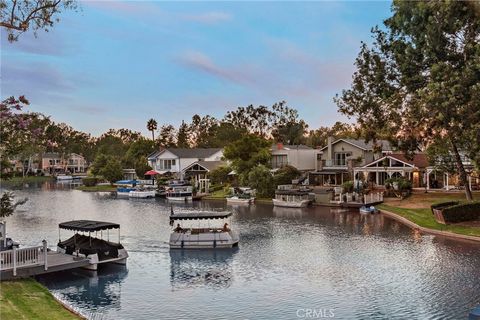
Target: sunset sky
x,y
117,64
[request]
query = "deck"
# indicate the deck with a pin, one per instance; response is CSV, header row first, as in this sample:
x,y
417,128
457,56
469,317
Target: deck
x,y
55,262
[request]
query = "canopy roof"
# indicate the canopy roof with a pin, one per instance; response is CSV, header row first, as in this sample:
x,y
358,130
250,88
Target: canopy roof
x,y
200,215
294,192
151,173
88,225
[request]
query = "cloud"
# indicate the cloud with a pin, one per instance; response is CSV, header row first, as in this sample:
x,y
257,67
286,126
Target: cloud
x,y
46,43
201,62
211,17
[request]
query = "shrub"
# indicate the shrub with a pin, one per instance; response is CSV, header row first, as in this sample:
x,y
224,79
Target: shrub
x,y
260,179
462,212
347,186
443,205
90,181
285,175
220,174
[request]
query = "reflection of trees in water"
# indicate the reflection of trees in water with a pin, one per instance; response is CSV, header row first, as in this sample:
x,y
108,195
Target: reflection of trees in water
x,y
201,268
81,287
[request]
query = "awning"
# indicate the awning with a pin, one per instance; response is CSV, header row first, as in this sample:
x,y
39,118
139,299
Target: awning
x,y
88,225
151,173
327,172
200,215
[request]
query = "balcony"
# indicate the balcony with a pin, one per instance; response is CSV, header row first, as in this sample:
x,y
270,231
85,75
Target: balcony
x,y
337,163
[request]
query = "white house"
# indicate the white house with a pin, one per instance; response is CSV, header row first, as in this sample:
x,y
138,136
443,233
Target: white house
x,y
302,157
176,160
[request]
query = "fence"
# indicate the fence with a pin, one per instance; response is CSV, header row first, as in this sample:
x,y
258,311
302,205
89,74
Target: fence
x,y
24,257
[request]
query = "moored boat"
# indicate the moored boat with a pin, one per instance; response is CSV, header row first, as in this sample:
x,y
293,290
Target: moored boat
x,y
180,193
63,177
288,196
238,199
367,210
97,250
142,193
203,236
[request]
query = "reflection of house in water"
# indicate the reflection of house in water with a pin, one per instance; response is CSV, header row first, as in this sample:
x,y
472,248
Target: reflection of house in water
x,y
201,268
81,287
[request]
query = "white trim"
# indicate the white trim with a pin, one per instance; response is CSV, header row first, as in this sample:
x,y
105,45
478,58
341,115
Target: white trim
x,y
191,165
389,157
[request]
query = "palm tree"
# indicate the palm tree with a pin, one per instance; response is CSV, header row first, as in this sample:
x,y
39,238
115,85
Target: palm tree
x,y
152,126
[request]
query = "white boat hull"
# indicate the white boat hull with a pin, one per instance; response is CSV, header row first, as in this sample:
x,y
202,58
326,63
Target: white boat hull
x,y
235,200
141,194
60,178
291,204
180,199
217,240
94,261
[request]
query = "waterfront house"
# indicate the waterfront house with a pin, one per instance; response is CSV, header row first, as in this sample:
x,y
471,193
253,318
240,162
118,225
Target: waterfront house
x,y
302,157
53,163
187,163
336,161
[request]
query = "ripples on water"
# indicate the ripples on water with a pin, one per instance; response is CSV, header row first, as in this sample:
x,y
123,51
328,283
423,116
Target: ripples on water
x,y
362,267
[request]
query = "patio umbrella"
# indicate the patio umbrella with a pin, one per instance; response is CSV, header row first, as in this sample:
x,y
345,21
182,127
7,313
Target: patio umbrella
x,y
151,173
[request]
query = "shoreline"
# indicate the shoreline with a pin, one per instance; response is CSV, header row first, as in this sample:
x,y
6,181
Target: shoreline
x,y
413,225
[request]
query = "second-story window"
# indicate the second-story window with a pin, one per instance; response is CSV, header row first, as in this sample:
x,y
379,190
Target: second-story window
x,y
341,158
166,164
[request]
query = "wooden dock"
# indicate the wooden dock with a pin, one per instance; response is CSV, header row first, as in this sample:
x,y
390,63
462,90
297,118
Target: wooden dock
x,y
27,262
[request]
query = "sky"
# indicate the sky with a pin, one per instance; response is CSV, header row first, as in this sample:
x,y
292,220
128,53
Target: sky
x,y
117,64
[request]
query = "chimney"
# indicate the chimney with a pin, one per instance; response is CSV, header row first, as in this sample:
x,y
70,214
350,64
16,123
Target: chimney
x,y
279,146
329,148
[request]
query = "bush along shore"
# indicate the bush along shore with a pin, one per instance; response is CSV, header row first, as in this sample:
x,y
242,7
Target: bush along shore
x,y
28,299
417,209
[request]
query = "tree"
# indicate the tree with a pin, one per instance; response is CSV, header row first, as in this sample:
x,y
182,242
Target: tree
x,y
7,206
167,136
17,16
202,131
318,137
419,82
220,174
247,153
260,178
112,171
182,136
141,166
99,163
152,126
138,150
285,175
286,126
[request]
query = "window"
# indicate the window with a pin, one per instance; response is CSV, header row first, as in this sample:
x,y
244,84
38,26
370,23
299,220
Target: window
x,y
341,158
279,161
166,164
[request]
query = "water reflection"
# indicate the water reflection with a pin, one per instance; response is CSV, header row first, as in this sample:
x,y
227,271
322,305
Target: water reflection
x,y
101,289
201,268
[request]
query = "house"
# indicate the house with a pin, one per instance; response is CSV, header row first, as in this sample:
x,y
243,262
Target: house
x,y
53,162
335,162
179,161
302,157
393,165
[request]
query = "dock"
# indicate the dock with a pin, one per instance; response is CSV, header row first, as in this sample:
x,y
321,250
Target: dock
x,y
32,261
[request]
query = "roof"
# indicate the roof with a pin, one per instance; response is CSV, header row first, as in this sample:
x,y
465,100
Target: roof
x,y
208,165
294,192
199,153
51,155
200,215
360,143
290,147
419,160
88,225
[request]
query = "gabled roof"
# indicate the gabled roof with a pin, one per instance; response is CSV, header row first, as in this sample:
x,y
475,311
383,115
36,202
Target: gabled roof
x,y
207,165
199,153
291,147
419,160
359,143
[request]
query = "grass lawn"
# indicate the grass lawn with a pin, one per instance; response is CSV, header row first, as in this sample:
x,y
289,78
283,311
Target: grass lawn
x,y
28,299
99,188
416,208
219,194
28,179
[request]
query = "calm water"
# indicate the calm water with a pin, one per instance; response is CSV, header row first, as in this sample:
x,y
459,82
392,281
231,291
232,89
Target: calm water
x,y
358,267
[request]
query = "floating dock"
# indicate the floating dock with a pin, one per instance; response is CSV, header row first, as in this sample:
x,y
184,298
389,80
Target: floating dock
x,y
27,262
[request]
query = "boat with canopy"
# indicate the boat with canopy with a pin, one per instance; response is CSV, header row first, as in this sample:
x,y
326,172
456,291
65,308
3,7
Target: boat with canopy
x,y
88,242
207,232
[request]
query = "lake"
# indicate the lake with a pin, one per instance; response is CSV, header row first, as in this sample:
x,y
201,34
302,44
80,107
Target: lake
x,y
290,264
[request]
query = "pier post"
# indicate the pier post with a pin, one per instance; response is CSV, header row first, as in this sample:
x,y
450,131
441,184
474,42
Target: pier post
x,y
14,253
44,242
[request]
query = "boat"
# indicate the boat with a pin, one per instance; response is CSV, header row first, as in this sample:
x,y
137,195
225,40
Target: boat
x,y
367,210
84,244
239,199
180,193
204,236
142,193
288,196
124,187
161,192
63,177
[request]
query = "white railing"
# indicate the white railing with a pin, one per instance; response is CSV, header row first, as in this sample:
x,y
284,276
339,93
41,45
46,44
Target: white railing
x,y
24,257
373,198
